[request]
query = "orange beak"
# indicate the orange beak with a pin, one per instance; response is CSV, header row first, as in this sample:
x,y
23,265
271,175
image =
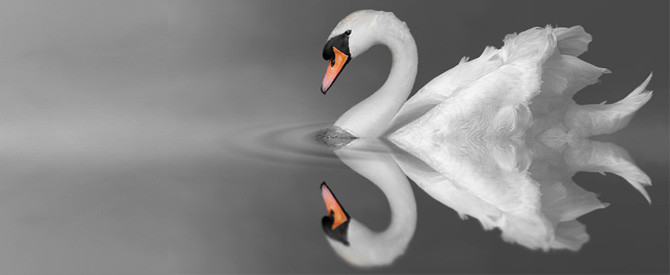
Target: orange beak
x,y
335,67
335,211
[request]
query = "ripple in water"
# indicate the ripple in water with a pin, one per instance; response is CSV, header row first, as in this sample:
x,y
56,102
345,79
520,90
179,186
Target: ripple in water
x,y
295,144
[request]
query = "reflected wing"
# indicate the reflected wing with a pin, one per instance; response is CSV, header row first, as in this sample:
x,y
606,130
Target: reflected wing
x,y
594,156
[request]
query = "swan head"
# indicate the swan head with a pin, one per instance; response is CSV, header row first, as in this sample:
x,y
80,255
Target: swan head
x,y
336,224
352,36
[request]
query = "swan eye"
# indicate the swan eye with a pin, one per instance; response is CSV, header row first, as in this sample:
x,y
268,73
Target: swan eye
x,y
341,42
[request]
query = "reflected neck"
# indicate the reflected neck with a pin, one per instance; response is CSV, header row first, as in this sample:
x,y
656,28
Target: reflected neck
x,y
403,212
371,117
371,159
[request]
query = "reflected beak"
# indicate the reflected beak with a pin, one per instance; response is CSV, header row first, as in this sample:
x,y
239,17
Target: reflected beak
x,y
335,211
335,67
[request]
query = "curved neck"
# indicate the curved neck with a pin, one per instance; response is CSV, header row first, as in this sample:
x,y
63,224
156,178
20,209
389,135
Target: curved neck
x,y
371,117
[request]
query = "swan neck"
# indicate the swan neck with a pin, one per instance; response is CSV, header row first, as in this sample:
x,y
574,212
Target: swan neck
x,y
372,116
403,68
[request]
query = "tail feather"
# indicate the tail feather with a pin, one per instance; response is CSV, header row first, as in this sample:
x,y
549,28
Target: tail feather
x,y
597,119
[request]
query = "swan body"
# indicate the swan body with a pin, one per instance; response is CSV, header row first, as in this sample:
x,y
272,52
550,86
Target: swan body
x,y
526,94
536,72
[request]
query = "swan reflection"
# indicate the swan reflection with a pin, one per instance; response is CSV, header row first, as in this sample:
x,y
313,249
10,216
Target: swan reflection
x,y
525,189
352,240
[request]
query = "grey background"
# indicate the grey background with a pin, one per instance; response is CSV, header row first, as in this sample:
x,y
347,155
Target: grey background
x,y
117,119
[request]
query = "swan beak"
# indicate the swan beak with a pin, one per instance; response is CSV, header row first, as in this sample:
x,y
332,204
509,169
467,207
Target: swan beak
x,y
335,211
335,67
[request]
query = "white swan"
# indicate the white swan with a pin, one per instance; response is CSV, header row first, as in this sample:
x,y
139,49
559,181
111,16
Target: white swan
x,y
470,126
497,87
353,241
